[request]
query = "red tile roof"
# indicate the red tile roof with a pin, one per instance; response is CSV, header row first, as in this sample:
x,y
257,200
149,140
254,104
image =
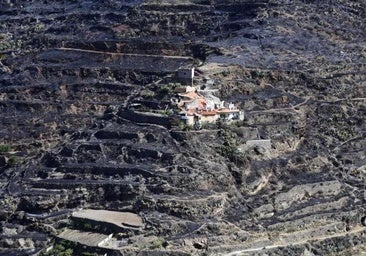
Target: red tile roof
x,y
208,113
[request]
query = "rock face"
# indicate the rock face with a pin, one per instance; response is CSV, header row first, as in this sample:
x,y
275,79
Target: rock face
x,y
86,121
3,161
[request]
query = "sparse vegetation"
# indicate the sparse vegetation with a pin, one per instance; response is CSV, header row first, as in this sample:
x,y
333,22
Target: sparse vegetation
x,y
62,248
39,27
4,148
185,127
158,243
12,161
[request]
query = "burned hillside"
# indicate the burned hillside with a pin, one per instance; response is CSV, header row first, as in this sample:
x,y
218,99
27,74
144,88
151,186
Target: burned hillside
x,y
90,123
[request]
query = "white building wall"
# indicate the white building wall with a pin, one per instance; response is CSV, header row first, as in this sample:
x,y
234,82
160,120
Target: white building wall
x,y
186,73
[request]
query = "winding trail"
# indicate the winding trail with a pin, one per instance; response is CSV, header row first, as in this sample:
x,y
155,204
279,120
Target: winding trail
x,y
281,109
126,54
357,229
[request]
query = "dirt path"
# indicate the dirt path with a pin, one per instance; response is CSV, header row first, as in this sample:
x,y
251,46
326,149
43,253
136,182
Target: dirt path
x,y
125,54
282,109
263,184
242,252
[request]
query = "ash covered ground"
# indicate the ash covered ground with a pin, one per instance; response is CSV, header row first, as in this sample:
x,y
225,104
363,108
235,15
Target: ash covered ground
x,y
71,70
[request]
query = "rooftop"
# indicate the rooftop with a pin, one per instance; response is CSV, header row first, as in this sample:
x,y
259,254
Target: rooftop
x,y
226,110
208,113
190,95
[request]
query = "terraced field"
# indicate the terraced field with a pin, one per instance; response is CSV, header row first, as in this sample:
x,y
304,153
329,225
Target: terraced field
x,y
71,71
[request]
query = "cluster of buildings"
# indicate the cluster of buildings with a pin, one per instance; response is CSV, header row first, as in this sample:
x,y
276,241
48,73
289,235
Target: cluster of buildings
x,y
197,108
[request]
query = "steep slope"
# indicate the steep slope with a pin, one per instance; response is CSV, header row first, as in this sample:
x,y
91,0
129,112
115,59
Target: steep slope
x,y
70,69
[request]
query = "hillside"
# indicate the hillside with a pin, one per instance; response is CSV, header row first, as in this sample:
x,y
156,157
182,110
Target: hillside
x,y
72,73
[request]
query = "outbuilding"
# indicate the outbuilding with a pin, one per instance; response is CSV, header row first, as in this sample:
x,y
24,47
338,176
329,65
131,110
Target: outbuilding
x,y
186,75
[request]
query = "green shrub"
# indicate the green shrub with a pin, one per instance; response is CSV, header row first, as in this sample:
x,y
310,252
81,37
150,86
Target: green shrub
x,y
12,161
63,248
4,148
158,243
4,45
39,27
